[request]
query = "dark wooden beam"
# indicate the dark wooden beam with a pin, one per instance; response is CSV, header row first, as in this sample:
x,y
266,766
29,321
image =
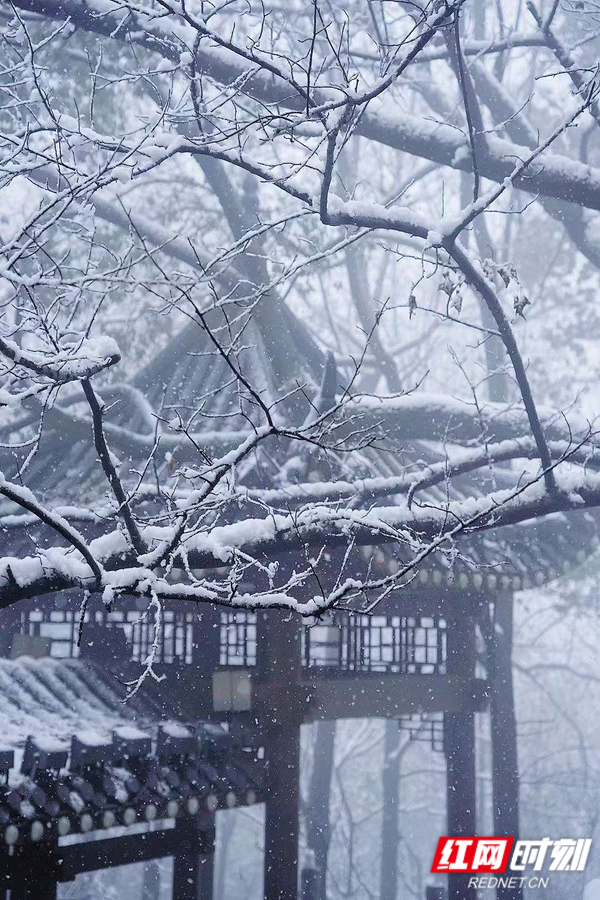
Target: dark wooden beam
x,y
90,855
381,696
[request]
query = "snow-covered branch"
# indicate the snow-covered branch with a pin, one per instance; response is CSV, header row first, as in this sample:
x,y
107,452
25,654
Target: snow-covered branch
x,y
200,197
418,531
81,361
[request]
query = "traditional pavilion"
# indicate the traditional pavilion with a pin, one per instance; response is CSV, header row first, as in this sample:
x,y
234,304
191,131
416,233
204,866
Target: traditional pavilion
x,y
223,728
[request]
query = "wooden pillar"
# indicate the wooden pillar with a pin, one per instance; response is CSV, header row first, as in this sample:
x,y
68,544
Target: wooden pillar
x,y
206,875
282,813
4,877
459,745
206,653
33,875
281,639
459,742
10,620
193,864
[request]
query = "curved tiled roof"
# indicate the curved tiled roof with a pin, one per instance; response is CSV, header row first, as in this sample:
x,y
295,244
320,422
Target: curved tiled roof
x,y
183,372
101,763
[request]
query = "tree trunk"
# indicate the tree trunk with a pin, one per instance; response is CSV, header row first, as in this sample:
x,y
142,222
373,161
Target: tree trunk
x,y
318,825
505,766
390,832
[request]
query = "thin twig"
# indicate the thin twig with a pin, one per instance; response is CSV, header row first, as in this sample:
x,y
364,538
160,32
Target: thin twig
x,y
110,469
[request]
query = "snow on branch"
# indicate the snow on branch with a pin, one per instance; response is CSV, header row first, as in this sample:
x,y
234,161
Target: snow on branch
x,y
419,530
172,38
78,362
240,169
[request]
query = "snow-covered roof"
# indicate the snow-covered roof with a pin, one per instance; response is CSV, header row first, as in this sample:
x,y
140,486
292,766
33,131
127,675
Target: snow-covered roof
x,y
417,431
58,699
74,758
